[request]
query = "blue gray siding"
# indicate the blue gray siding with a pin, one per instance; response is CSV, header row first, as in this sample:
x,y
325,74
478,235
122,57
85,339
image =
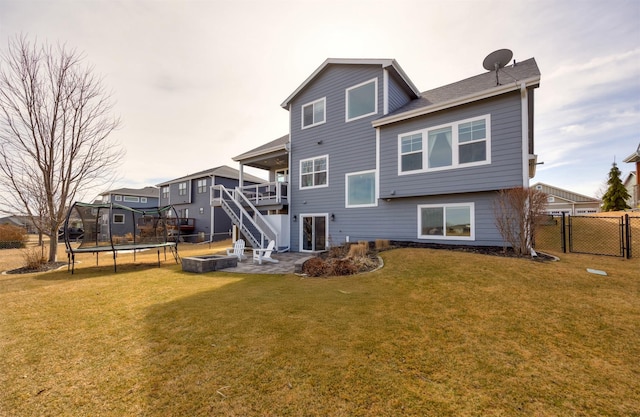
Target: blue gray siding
x,y
350,146
505,170
398,96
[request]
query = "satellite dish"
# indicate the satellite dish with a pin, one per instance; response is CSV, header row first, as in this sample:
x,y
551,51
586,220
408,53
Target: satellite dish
x,y
497,59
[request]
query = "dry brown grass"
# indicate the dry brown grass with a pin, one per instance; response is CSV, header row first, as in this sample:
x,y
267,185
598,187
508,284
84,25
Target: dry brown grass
x,y
433,333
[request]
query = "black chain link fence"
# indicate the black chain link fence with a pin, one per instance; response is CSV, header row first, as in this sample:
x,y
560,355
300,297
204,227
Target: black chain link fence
x,y
597,235
12,244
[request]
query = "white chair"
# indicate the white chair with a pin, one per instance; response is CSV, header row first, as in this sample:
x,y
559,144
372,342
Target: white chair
x,y
265,254
237,250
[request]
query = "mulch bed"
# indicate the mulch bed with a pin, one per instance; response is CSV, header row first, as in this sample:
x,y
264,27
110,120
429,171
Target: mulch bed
x,y
49,266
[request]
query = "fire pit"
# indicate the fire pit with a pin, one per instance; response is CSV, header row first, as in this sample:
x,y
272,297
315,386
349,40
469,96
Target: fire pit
x,y
208,263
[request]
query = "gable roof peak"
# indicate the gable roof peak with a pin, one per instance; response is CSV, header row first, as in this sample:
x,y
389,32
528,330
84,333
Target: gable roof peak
x,y
385,63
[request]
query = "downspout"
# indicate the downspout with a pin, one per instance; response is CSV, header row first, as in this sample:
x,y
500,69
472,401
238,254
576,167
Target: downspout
x,y
212,227
524,105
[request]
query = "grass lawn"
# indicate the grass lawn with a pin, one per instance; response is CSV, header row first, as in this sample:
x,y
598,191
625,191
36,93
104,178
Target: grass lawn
x,y
434,332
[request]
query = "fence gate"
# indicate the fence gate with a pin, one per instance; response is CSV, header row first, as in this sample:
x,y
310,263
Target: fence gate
x,y
597,235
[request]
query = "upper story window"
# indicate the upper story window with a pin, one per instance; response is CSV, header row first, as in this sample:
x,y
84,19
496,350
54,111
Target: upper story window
x,y
463,143
118,198
314,113
314,172
202,186
182,188
362,100
131,199
143,199
165,192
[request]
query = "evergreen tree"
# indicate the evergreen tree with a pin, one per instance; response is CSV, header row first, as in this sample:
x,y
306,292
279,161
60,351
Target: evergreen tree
x,y
617,195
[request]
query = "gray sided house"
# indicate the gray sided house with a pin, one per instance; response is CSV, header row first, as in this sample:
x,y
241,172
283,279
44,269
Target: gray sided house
x,y
139,198
631,180
563,201
191,197
371,157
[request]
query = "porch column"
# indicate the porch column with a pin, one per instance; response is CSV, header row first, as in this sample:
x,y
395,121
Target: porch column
x,y
241,176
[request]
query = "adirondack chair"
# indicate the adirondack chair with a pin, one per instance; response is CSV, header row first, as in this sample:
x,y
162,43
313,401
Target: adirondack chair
x,y
265,254
237,250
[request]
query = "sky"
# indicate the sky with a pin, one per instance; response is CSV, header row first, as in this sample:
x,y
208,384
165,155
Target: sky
x,y
196,83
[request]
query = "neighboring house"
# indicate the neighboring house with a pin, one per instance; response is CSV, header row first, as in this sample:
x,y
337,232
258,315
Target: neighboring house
x,y
133,197
20,221
368,156
631,181
562,201
139,198
191,197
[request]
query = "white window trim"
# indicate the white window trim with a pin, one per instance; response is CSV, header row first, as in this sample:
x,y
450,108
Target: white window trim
x,y
118,198
186,188
375,189
300,187
455,145
302,126
301,216
203,187
164,192
375,101
118,215
443,237
143,199
131,199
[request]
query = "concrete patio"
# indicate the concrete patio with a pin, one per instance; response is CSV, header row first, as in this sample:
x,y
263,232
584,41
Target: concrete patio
x,y
286,264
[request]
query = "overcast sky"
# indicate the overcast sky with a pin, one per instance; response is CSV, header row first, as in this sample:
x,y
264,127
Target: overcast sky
x,y
198,82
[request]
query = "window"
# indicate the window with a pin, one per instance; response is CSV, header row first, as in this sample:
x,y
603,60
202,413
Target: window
x,y
472,139
361,189
131,199
118,219
182,188
313,114
282,175
118,198
165,192
463,143
143,199
411,152
314,172
202,186
446,221
201,210
362,100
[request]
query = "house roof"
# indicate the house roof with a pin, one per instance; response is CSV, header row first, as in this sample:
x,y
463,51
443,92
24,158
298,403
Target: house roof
x,y
221,171
384,63
273,146
630,179
138,192
564,194
468,90
634,157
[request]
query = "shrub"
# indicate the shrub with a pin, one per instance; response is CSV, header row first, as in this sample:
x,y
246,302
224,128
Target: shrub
x,y
316,267
12,236
341,267
33,258
359,250
382,244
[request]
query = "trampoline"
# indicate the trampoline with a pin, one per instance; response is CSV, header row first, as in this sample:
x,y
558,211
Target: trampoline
x,y
112,227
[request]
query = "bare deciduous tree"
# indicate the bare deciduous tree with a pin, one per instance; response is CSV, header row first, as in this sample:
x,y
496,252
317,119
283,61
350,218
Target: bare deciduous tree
x,y
517,212
55,119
